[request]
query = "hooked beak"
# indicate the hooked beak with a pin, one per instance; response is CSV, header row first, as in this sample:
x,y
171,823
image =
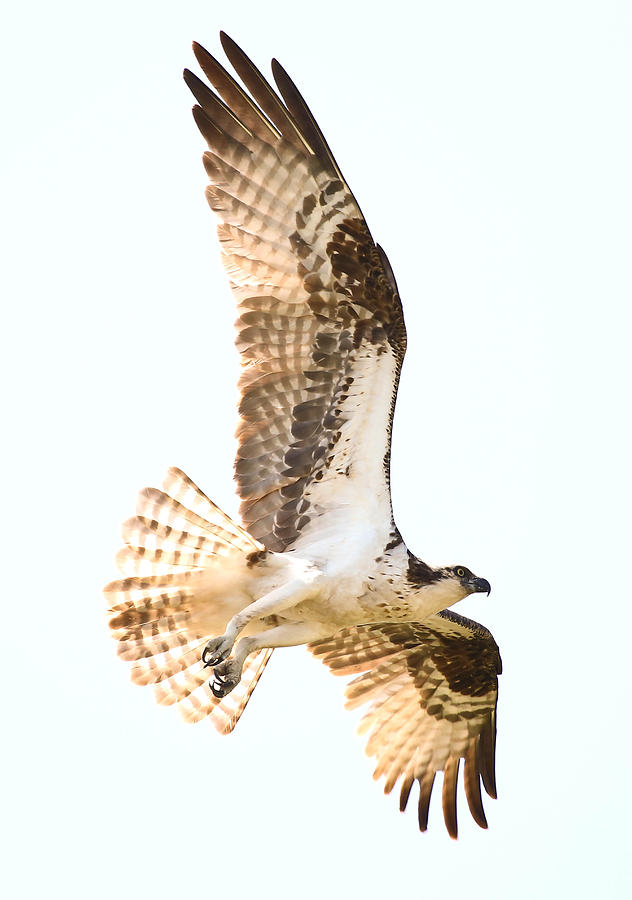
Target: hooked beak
x,y
480,586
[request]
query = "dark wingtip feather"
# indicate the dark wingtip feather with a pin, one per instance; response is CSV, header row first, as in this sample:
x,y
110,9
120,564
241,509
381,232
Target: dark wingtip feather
x,y
263,94
405,793
472,782
207,128
200,91
241,105
425,790
216,111
228,43
192,82
490,785
487,756
199,50
448,795
303,116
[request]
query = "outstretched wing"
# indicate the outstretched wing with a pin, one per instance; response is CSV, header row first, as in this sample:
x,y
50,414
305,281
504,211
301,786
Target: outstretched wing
x,y
432,690
320,328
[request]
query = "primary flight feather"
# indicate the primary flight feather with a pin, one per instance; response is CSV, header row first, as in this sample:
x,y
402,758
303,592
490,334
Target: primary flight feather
x,y
318,559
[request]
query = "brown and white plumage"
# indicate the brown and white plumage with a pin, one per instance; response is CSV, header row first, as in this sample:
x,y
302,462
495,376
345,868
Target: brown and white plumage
x,y
432,689
158,613
319,560
320,329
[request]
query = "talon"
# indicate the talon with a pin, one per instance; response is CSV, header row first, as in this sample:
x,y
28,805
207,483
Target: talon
x,y
217,688
216,651
211,659
226,677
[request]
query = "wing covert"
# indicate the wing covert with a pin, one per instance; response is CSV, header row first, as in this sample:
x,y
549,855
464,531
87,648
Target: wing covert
x,y
320,329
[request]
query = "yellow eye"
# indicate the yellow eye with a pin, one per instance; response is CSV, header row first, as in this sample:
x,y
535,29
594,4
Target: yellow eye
x,y
460,572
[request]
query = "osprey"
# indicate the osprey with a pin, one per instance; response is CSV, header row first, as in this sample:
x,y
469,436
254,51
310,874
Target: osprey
x,y
318,559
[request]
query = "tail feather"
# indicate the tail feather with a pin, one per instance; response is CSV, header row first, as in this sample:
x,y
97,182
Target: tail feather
x,y
225,716
142,561
143,532
182,685
137,588
153,669
147,608
151,634
195,701
181,488
142,649
158,506
181,550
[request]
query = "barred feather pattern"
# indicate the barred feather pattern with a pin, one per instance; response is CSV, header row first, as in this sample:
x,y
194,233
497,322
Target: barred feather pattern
x,y
161,612
317,304
429,706
321,335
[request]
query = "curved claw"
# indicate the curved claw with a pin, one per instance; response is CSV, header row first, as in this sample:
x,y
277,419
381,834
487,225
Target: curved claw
x,y
221,685
226,676
217,688
208,660
216,651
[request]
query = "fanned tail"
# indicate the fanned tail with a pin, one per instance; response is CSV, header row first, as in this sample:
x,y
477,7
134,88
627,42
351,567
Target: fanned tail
x,y
184,560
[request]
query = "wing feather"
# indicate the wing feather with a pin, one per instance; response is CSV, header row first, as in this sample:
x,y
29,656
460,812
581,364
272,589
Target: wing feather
x,y
472,783
303,116
320,328
212,110
448,795
237,100
431,690
426,784
267,99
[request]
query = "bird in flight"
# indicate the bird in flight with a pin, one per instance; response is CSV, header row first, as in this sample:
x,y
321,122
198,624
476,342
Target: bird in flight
x,y
317,558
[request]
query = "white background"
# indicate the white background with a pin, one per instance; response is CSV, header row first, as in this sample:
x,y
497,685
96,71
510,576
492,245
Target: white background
x,y
489,145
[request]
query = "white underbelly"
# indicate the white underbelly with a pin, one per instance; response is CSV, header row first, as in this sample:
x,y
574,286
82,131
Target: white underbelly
x,y
350,600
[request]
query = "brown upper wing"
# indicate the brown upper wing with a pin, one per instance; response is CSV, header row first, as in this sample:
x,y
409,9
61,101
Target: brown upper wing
x,y
320,328
432,690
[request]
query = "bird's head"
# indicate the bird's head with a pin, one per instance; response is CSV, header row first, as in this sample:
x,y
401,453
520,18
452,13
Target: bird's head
x,y
467,582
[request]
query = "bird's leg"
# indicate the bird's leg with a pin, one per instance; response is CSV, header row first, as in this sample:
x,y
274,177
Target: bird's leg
x,y
227,674
219,648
